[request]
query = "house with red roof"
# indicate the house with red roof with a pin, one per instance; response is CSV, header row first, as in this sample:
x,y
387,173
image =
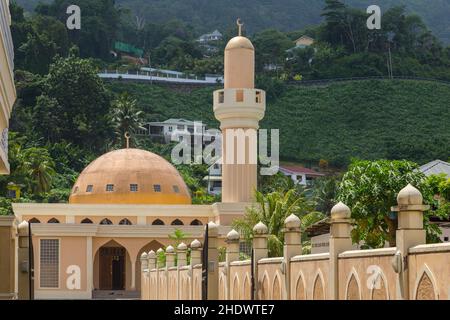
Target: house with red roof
x,y
299,174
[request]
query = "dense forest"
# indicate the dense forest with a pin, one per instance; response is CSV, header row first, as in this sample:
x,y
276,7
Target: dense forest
x,y
285,15
66,116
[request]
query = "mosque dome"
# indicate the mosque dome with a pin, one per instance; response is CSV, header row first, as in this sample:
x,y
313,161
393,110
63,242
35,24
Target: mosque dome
x,y
239,42
130,176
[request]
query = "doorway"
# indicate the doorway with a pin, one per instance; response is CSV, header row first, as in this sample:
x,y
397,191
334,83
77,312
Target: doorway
x,y
112,268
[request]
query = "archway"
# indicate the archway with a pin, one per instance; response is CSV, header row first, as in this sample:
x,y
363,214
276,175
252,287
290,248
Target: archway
x,y
153,245
112,266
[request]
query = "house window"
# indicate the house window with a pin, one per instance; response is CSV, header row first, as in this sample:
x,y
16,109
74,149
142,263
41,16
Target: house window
x,y
180,127
49,263
176,189
157,187
170,129
133,187
221,97
240,96
216,166
109,187
89,188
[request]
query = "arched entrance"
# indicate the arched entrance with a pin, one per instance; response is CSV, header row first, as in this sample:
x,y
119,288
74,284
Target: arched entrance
x,y
112,266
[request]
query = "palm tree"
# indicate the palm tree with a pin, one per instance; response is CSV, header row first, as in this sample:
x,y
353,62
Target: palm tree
x,y
39,168
126,117
178,236
272,209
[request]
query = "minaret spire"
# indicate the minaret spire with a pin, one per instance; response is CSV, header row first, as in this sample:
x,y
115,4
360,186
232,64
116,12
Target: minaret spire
x,y
240,25
127,137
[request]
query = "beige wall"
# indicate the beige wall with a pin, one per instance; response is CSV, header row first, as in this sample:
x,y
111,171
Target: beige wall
x,y
309,279
8,255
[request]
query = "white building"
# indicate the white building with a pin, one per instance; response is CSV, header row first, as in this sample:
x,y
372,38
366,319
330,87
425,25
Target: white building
x,y
436,167
208,37
164,131
300,175
214,179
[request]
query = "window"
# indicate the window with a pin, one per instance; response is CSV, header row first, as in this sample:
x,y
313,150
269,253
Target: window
x,y
49,263
258,97
106,221
86,220
170,129
445,239
125,222
53,220
109,187
89,188
239,95
221,97
196,222
176,189
133,187
246,248
180,127
158,222
216,166
34,220
177,222
157,187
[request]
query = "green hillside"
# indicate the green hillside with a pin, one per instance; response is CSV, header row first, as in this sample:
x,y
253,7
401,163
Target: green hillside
x,y
365,119
286,15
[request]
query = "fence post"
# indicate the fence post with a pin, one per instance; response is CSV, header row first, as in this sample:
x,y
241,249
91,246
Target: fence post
x,y
410,233
213,261
24,258
181,262
340,241
260,251
292,247
151,256
159,264
144,275
232,254
170,262
196,258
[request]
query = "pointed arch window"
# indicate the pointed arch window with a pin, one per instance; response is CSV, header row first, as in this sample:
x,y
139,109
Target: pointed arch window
x,y
106,221
158,222
53,220
86,220
125,222
196,222
177,222
34,220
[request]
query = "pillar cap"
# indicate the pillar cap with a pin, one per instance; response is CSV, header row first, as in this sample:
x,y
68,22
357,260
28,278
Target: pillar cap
x,y
292,222
196,244
151,254
213,229
170,249
160,250
143,256
233,235
182,247
341,211
260,228
23,225
409,196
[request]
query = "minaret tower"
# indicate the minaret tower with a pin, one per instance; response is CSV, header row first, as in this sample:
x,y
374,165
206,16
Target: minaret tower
x,y
239,107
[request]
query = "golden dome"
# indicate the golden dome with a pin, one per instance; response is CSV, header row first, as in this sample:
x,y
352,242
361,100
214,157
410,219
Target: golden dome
x,y
130,176
239,42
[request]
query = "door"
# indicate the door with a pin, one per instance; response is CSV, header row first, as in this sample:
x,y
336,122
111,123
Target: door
x,y
112,268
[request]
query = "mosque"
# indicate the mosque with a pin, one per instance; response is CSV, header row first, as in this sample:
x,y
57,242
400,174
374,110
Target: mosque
x,y
129,201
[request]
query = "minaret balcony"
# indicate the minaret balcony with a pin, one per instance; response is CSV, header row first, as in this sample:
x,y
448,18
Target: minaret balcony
x,y
235,107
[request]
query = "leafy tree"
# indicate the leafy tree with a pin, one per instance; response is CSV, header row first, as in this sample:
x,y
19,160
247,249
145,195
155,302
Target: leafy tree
x,y
178,236
270,48
272,209
370,189
74,106
126,117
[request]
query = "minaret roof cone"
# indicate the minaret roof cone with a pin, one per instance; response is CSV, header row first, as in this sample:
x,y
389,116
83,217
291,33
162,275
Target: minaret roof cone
x,y
239,64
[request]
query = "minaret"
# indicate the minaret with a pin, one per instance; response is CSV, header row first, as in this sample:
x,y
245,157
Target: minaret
x,y
239,107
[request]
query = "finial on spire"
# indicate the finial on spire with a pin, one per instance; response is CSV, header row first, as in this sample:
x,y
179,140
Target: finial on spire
x,y
240,24
127,137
